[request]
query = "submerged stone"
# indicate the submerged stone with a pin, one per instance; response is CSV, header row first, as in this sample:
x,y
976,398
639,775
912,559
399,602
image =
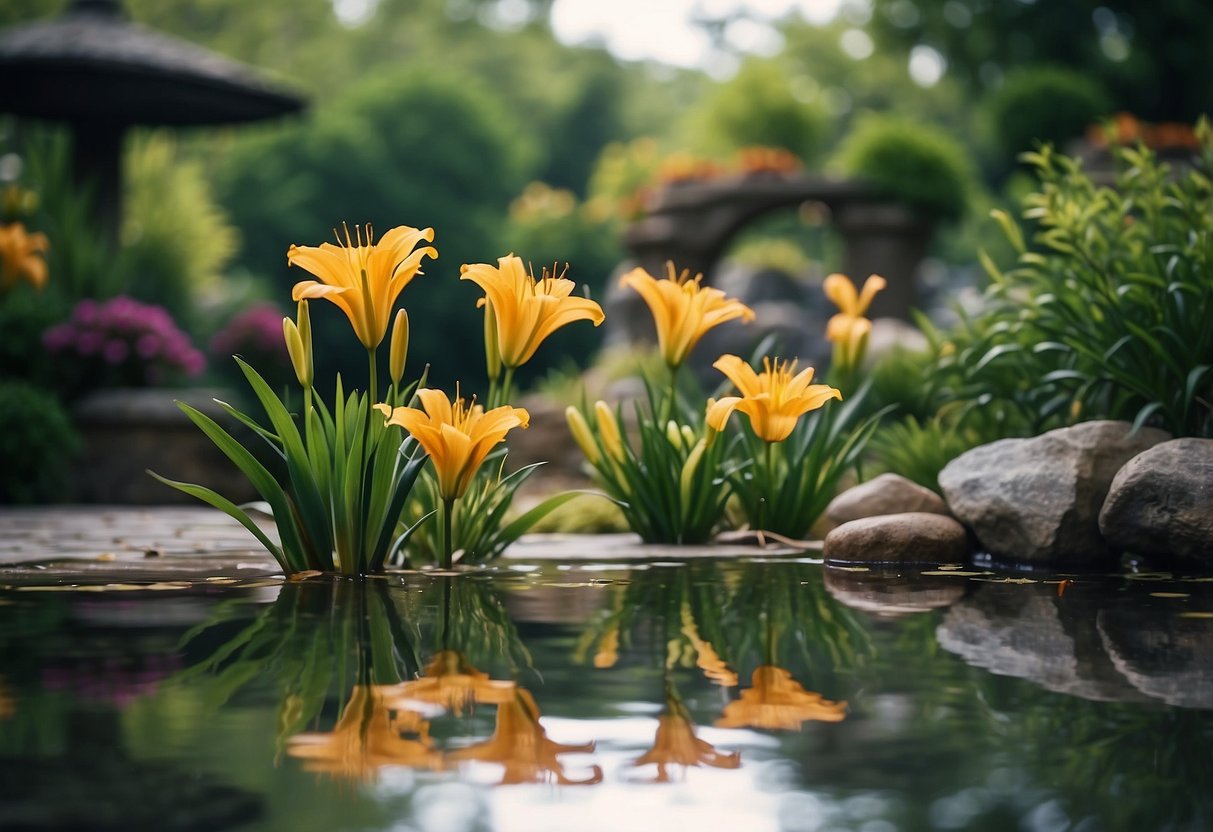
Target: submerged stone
x,y
1037,500
892,593
1161,503
911,537
886,494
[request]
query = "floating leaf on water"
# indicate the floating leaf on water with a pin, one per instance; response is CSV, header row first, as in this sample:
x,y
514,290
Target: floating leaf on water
x,y
1149,576
950,567
848,569
304,575
952,573
1196,614
107,557
1169,594
998,580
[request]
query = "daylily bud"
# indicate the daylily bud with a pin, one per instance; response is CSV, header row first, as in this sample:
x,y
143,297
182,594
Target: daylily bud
x,y
299,356
672,434
688,435
687,477
580,429
399,352
492,348
608,430
305,328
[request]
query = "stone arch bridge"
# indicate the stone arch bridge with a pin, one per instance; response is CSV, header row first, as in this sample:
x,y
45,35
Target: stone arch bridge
x,y
691,224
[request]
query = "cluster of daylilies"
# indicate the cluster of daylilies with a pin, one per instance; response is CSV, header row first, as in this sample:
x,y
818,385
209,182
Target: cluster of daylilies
x,y
345,487
675,482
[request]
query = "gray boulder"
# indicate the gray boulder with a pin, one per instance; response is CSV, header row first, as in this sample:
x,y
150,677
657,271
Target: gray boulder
x,y
886,494
1161,503
913,537
1037,501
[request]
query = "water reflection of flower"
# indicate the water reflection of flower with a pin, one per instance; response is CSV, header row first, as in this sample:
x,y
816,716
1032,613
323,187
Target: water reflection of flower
x,y
520,744
677,745
372,732
452,682
776,701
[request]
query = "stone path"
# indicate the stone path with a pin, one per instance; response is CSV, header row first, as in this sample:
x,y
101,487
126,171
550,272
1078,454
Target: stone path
x,y
163,543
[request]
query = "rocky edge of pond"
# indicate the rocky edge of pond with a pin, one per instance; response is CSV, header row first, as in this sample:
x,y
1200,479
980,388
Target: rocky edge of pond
x,y
1073,497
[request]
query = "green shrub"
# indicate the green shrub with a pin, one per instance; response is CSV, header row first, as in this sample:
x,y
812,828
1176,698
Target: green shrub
x,y
37,442
1106,315
758,108
918,450
910,162
1043,104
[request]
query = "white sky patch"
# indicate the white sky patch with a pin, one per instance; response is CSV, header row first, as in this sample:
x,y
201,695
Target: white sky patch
x,y
664,30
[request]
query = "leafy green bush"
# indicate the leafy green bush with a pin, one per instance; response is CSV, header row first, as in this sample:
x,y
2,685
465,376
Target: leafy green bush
x,y
1045,104
1107,315
910,162
758,107
37,442
918,450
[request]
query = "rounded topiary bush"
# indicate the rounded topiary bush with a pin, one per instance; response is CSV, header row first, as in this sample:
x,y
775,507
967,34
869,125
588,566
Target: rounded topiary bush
x,y
1043,104
37,442
912,163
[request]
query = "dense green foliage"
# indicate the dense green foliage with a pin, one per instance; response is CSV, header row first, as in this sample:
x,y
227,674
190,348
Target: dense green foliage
x,y
37,442
915,163
1154,59
1043,104
1107,314
758,107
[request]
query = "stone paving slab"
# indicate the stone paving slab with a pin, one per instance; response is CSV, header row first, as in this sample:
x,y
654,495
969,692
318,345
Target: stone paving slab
x,y
95,543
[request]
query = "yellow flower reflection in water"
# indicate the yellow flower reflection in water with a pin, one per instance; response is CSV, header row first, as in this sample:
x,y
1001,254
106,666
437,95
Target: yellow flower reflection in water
x,y
677,745
706,657
370,734
451,682
520,745
778,702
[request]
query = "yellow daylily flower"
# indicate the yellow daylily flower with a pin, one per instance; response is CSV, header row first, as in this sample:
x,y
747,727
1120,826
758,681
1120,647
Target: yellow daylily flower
x,y
367,737
526,311
683,309
520,744
457,435
452,682
850,337
852,305
22,256
362,277
775,701
677,745
774,399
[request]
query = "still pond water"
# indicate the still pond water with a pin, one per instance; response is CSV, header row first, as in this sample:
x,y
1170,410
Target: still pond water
x,y
757,695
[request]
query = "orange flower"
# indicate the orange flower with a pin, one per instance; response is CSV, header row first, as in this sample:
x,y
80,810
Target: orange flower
x,y
683,309
777,702
22,255
521,746
457,436
367,737
774,399
362,277
451,682
527,310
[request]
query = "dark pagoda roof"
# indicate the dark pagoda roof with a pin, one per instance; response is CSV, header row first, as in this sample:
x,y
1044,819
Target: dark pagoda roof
x,y
94,64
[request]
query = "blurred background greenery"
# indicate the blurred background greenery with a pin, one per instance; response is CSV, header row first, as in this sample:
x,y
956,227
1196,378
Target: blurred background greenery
x,y
473,117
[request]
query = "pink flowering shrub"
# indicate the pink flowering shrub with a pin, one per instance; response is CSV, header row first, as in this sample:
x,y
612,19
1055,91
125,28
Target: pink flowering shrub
x,y
255,335
122,342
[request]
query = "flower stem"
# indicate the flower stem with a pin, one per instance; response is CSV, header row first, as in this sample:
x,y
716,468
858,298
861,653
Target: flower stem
x,y
768,485
448,542
373,385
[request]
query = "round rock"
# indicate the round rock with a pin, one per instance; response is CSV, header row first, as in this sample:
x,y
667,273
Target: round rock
x,y
1037,501
1161,503
886,494
912,537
